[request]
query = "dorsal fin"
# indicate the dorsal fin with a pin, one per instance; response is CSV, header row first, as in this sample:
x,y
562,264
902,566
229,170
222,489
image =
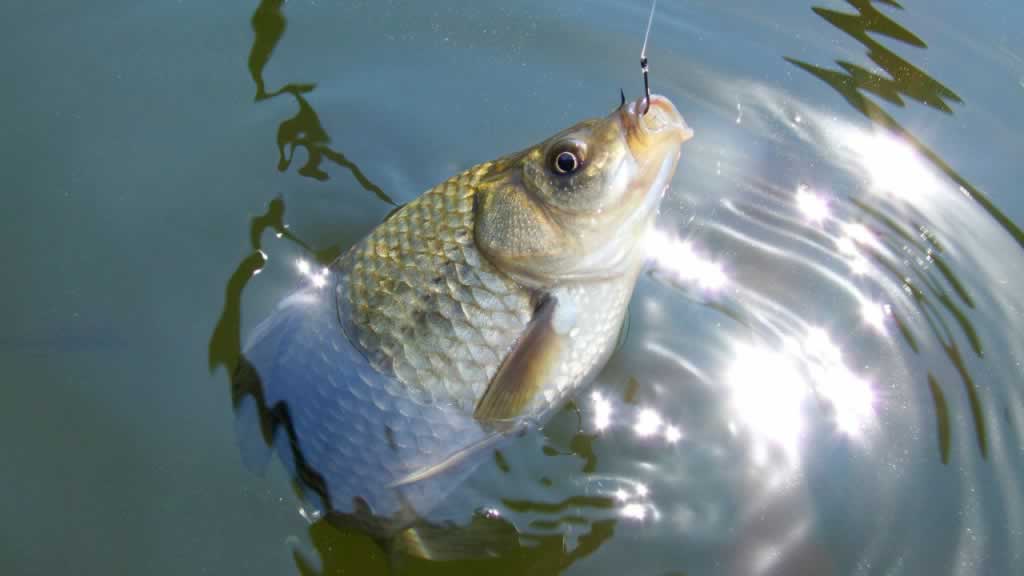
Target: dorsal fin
x,y
526,368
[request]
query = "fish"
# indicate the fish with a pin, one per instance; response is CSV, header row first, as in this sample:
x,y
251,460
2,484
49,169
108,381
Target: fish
x,y
468,315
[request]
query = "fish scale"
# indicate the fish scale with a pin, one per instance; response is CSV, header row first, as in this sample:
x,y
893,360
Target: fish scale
x,y
426,307
442,329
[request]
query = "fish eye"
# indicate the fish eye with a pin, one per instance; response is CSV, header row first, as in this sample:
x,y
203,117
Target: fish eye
x,y
566,162
567,158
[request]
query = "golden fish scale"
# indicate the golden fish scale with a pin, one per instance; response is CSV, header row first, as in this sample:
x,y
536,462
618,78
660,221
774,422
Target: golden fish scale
x,y
427,306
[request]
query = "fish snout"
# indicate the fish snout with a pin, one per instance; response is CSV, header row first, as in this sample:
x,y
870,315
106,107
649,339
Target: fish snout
x,y
654,123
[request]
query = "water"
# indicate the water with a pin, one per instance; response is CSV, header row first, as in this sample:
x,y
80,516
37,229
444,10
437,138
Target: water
x,y
826,380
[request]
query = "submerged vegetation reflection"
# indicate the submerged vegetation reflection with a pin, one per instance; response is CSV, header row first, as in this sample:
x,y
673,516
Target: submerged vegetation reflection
x,y
304,129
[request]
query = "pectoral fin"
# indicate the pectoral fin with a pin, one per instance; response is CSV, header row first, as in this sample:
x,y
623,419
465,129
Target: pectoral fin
x,y
525,370
451,462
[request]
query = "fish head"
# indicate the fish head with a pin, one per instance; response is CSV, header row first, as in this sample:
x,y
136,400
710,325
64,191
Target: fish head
x,y
575,206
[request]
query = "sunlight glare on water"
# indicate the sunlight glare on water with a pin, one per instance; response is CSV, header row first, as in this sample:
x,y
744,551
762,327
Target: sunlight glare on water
x,y
647,423
812,205
681,260
894,167
602,410
769,389
316,278
850,243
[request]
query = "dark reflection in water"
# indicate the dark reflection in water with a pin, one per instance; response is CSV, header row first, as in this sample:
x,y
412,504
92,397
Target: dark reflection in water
x,y
226,342
304,129
904,78
856,85
926,299
941,416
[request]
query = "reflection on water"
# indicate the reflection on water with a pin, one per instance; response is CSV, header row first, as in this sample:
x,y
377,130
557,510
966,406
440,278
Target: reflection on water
x,y
226,341
792,381
812,205
855,84
678,259
304,129
895,161
769,389
318,278
903,77
883,253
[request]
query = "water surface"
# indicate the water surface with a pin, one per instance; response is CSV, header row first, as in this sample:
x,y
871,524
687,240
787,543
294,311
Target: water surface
x,y
823,369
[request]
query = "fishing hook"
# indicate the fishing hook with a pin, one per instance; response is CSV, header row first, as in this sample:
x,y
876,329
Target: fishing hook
x,y
643,60
647,86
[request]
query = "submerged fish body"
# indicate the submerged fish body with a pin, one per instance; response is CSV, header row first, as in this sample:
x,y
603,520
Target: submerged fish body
x,y
473,310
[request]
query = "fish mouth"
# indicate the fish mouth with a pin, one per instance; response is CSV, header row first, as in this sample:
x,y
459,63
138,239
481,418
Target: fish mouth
x,y
654,123
654,133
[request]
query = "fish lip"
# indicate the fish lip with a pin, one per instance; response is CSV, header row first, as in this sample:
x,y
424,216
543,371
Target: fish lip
x,y
662,119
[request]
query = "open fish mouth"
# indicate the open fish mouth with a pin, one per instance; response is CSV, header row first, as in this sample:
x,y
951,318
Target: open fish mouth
x,y
657,121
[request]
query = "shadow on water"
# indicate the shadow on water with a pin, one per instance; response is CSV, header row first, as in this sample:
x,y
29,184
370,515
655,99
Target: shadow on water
x,y
343,542
857,86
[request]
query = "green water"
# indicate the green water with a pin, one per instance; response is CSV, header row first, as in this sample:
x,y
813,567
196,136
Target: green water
x,y
847,397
